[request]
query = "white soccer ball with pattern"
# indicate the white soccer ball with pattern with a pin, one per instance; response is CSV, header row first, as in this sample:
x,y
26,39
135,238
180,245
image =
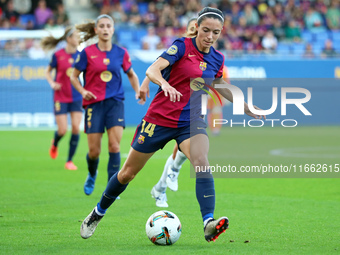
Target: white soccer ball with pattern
x,y
163,228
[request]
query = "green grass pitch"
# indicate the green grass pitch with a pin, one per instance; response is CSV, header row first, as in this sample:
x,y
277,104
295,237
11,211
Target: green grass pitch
x,y
42,204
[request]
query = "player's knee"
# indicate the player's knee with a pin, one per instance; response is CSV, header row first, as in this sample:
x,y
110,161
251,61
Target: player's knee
x,y
126,176
114,147
94,152
200,160
75,129
62,131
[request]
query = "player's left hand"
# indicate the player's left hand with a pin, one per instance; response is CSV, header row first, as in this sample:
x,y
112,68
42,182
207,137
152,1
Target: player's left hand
x,y
144,92
142,98
256,116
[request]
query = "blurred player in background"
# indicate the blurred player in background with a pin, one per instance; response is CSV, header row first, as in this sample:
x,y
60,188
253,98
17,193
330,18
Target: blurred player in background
x,y
215,109
103,94
66,98
175,113
175,161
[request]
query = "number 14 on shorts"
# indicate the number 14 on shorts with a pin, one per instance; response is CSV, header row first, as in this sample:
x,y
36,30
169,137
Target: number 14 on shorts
x,y
149,129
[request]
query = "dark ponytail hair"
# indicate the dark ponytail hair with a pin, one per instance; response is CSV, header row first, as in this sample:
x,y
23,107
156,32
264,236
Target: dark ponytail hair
x,y
209,12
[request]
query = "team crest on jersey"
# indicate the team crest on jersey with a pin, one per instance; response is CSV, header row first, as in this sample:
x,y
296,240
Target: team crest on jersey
x,y
141,139
89,124
70,60
106,61
172,50
203,66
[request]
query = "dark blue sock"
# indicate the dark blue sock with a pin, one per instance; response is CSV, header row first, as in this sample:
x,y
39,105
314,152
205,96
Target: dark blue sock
x,y
113,165
73,146
92,165
113,189
205,194
56,138
101,210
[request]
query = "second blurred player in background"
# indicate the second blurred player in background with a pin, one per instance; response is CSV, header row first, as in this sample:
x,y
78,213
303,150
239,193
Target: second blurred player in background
x,y
103,94
66,98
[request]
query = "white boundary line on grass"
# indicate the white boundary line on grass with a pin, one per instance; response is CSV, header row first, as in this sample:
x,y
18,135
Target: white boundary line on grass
x,y
307,152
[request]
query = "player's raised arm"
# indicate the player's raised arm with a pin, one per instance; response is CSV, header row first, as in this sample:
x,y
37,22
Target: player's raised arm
x,y
155,75
226,93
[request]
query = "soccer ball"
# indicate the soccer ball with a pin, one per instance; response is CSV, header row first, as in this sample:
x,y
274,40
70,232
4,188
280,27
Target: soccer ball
x,y
163,228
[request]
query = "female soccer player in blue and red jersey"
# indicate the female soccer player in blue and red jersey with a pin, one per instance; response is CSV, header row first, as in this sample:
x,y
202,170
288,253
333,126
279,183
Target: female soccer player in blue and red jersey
x,y
103,94
169,177
66,98
174,114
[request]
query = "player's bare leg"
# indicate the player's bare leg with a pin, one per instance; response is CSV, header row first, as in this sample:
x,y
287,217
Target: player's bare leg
x,y
117,184
205,190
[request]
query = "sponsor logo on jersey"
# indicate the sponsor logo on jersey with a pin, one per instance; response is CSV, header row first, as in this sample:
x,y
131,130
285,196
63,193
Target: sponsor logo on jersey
x,y
141,139
191,55
203,66
106,76
71,60
69,71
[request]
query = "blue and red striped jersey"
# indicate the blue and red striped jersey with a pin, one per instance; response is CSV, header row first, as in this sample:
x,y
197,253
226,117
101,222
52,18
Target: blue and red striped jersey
x,y
101,71
62,62
186,63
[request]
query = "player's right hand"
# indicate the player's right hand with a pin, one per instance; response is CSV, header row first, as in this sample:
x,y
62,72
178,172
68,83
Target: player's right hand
x,y
56,86
171,92
88,95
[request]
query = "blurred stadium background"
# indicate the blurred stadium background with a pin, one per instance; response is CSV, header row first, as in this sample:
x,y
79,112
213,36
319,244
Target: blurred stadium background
x,y
261,39
267,43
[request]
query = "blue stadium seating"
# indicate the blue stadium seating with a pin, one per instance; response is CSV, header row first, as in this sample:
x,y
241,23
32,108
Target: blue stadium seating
x,y
125,36
336,37
307,36
134,46
321,36
143,8
139,34
298,48
24,18
283,48
317,48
